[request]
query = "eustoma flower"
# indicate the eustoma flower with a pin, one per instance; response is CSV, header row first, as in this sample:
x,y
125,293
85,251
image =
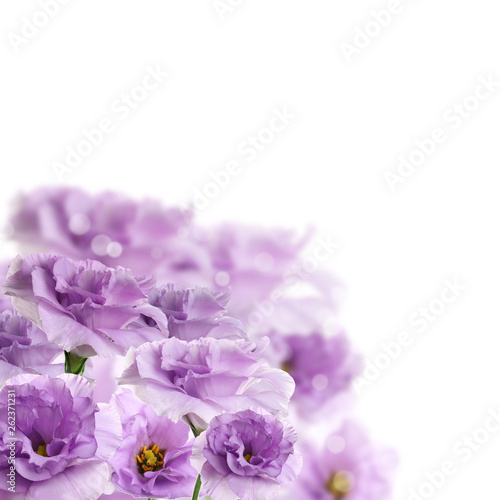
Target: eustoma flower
x,y
246,455
251,261
349,467
83,306
58,438
24,348
323,369
193,313
191,362
108,227
154,457
200,379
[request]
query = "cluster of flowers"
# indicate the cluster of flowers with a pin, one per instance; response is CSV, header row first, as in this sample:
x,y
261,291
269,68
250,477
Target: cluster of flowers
x,y
201,392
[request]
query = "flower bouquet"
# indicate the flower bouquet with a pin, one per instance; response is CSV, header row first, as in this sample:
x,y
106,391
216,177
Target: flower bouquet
x,y
143,355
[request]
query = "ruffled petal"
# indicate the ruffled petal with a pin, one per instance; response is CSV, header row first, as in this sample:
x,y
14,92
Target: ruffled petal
x,y
108,431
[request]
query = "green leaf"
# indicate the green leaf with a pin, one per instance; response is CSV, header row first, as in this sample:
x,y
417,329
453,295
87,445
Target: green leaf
x,y
73,363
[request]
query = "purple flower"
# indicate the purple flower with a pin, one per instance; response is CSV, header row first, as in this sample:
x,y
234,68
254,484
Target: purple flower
x,y
246,455
201,379
119,495
251,261
350,467
192,313
302,313
24,348
56,438
154,457
108,227
83,306
322,367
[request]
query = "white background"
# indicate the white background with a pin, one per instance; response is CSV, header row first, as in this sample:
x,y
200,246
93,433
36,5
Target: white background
x,y
327,168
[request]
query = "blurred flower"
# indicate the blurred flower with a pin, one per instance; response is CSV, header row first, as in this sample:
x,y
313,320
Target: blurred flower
x,y
250,260
246,455
119,495
83,306
202,378
193,313
322,367
24,348
108,227
350,467
298,314
62,438
153,459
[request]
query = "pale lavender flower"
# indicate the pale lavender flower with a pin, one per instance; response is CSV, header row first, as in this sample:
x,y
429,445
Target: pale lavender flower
x,y
350,467
119,495
200,379
193,313
250,260
323,368
153,459
24,348
247,455
83,306
59,439
287,312
108,227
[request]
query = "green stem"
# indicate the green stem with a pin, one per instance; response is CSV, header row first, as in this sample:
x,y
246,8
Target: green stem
x,y
197,488
197,485
195,431
73,363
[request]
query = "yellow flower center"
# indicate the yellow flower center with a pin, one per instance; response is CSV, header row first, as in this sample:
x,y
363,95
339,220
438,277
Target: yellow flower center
x,y
248,456
340,485
42,450
150,459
